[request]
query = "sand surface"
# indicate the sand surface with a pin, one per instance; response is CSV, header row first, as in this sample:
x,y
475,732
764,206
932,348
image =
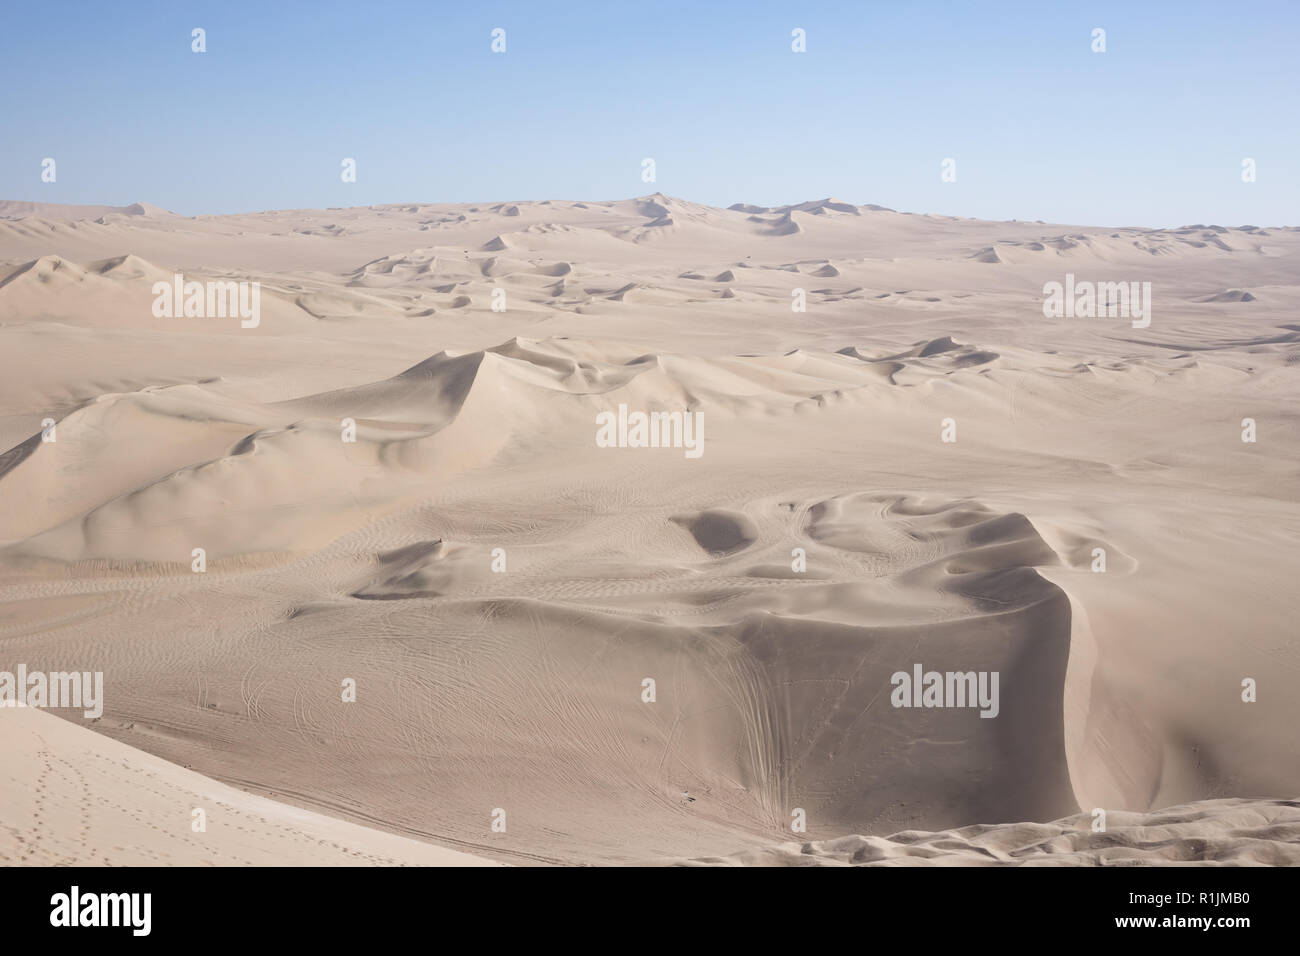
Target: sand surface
x,y
70,796
520,690
1208,832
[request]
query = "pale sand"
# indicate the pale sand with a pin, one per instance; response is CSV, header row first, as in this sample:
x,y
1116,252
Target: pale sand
x,y
475,431
1209,832
69,796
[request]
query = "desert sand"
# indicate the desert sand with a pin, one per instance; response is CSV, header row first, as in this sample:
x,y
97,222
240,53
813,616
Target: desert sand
x,y
92,801
1206,833
500,587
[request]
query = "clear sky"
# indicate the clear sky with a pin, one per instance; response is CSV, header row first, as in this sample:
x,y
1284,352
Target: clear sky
x,y
1151,132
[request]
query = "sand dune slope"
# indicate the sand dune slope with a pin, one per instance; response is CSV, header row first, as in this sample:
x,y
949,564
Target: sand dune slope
x,y
72,797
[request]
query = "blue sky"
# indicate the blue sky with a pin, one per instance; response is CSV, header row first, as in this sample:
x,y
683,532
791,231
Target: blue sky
x,y
1151,132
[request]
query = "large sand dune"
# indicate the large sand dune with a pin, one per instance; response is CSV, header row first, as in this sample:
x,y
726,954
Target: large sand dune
x,y
499,586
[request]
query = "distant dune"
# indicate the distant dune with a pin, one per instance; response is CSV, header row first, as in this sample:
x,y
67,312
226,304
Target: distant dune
x,y
14,209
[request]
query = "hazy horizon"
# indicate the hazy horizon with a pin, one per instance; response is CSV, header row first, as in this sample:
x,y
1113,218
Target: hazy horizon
x,y
1152,132
861,204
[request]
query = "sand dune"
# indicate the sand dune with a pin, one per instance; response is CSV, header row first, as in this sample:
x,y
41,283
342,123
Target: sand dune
x,y
69,796
12,209
395,479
